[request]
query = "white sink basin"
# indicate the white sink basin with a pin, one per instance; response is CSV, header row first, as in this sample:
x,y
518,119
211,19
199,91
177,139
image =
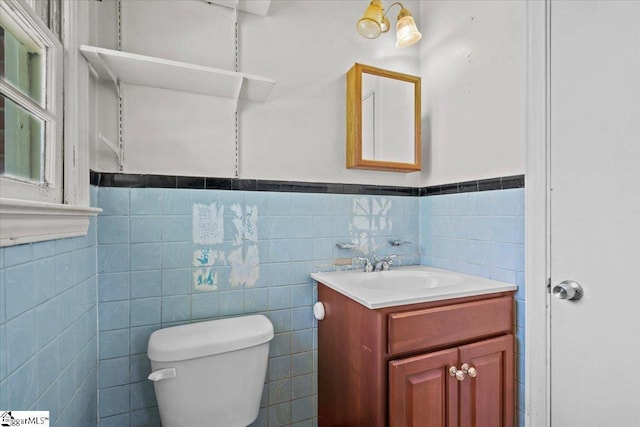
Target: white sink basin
x,y
407,285
405,280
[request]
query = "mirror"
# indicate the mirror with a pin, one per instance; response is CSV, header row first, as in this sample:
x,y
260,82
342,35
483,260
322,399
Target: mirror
x,y
383,120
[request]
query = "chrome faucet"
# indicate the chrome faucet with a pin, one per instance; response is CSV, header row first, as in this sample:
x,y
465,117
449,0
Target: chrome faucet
x,y
379,264
383,263
368,267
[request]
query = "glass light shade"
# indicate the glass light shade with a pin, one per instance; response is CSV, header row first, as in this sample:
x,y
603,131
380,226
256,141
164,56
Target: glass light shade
x,y
407,32
369,25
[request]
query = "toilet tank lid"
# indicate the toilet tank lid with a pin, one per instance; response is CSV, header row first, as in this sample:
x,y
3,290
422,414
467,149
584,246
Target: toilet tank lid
x,y
208,338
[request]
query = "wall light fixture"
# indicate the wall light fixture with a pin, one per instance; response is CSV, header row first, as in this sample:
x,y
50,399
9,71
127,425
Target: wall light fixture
x,y
374,22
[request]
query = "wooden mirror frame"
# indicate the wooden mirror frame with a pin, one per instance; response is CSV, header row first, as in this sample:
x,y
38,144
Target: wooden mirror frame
x,y
354,121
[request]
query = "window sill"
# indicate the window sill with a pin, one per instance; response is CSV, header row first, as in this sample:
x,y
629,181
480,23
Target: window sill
x,y
26,221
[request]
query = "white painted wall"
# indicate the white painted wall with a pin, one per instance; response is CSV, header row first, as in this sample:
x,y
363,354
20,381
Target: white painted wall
x,y
473,69
472,60
306,46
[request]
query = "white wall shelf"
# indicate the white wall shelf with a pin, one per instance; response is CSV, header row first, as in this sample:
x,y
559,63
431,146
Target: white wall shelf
x,y
258,7
131,68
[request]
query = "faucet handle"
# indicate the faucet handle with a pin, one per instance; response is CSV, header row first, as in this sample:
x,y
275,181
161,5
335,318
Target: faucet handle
x,y
368,267
387,258
384,263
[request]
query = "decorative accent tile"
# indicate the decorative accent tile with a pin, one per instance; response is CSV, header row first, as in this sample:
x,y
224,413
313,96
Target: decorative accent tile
x,y
208,257
205,279
208,226
244,266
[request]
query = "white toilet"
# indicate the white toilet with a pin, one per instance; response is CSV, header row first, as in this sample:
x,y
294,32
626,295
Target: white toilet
x,y
210,373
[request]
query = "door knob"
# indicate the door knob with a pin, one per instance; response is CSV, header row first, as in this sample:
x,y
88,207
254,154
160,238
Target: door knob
x,y
569,290
469,370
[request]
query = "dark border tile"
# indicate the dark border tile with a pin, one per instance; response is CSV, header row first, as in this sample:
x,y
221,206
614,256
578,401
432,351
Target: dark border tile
x,y
335,188
288,187
161,181
110,179
310,187
217,183
502,183
192,182
434,190
386,190
468,187
244,184
128,180
267,186
354,189
449,189
489,184
94,178
516,181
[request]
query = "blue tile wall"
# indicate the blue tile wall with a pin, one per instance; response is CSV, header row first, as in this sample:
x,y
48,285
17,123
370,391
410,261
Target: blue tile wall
x,y
482,234
48,328
136,270
160,265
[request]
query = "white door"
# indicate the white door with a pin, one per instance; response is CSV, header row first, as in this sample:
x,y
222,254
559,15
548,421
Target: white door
x,y
595,212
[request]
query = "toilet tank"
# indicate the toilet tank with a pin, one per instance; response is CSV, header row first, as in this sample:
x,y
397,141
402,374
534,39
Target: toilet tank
x,y
210,373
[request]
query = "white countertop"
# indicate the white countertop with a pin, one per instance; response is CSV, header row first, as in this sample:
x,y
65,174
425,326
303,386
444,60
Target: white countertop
x,y
407,285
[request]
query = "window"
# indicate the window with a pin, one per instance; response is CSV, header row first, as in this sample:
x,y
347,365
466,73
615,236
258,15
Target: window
x,y
31,103
34,204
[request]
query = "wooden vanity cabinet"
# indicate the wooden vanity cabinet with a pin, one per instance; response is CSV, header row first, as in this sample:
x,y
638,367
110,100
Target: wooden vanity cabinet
x,y
423,393
391,366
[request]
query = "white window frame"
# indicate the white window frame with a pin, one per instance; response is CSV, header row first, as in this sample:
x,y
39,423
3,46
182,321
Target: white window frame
x,y
50,190
31,212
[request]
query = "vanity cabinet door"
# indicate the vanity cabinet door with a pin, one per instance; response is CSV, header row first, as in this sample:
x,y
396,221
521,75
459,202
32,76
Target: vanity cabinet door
x,y
487,400
421,391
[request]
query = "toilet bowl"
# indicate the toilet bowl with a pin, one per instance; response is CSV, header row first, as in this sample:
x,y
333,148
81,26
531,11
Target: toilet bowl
x,y
210,373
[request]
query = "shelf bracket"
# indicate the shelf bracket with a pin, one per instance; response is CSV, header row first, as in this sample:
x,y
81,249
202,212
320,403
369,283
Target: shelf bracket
x,y
109,71
100,69
113,147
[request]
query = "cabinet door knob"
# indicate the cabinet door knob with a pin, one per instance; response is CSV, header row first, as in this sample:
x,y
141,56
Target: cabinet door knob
x,y
469,370
454,372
